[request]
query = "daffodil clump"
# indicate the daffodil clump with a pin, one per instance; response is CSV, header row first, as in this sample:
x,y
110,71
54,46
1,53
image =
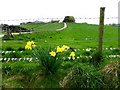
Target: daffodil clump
x,y
61,49
30,45
49,61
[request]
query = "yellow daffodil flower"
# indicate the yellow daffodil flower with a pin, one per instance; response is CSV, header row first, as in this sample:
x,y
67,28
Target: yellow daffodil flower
x,y
29,43
72,54
28,47
66,47
33,46
52,53
60,49
32,42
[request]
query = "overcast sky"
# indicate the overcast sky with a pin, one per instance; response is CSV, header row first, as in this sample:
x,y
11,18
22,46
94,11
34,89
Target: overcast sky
x,y
25,9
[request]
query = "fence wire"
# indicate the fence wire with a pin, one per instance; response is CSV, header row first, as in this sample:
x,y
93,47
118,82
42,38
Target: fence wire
x,y
70,28
58,18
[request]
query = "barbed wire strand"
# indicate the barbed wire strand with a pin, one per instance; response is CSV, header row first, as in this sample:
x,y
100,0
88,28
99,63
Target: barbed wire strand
x,y
59,18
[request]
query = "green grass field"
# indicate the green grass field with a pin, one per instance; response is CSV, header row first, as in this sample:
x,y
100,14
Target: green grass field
x,y
42,26
82,72
75,35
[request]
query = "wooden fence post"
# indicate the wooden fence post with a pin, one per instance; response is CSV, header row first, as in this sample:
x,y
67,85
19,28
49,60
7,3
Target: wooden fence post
x,y
101,30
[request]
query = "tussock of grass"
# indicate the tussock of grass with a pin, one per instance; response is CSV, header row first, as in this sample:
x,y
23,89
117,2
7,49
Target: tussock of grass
x,y
82,76
111,74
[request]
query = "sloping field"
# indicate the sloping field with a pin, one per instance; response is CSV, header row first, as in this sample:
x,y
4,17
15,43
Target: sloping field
x,y
75,35
87,35
43,26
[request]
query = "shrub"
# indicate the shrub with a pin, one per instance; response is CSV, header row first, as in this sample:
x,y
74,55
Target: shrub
x,y
69,19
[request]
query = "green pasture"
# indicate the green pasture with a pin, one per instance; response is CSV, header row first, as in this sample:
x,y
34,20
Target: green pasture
x,y
42,26
82,72
76,35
